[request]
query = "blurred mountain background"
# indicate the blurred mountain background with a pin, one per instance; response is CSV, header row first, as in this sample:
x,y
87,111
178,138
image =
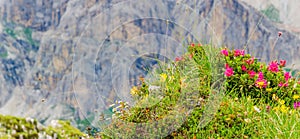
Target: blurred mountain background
x,y
68,59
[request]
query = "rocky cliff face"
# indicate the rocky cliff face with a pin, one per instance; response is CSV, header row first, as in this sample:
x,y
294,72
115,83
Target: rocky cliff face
x,y
287,10
70,59
40,15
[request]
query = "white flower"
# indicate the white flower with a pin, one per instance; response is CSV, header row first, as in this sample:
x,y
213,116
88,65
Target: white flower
x,y
247,120
257,109
295,85
152,87
111,105
114,116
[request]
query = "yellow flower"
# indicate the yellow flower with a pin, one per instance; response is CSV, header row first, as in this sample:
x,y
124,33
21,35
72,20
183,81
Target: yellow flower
x,y
260,83
276,108
145,97
143,101
269,89
163,77
296,97
275,97
227,119
281,102
172,78
292,111
284,109
122,105
134,91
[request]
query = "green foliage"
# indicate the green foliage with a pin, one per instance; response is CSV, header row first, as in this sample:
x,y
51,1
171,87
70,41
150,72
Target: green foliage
x,y
15,127
272,13
65,130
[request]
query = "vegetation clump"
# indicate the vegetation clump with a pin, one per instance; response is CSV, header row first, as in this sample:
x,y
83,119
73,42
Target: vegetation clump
x,y
258,99
27,128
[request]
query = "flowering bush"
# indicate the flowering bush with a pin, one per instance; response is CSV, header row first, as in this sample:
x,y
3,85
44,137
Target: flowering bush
x,y
252,88
248,77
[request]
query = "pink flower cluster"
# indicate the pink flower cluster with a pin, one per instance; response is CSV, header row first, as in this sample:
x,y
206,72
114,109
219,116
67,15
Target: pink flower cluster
x,y
287,76
250,61
244,68
260,75
282,63
283,84
178,59
261,82
193,45
238,52
273,66
296,105
224,52
251,73
229,72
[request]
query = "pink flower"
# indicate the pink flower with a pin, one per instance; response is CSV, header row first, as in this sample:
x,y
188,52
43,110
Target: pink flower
x,y
226,66
287,76
229,72
238,52
283,84
250,61
273,66
251,73
296,105
199,44
279,34
244,68
260,75
261,83
282,63
191,56
268,108
224,52
192,44
178,59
